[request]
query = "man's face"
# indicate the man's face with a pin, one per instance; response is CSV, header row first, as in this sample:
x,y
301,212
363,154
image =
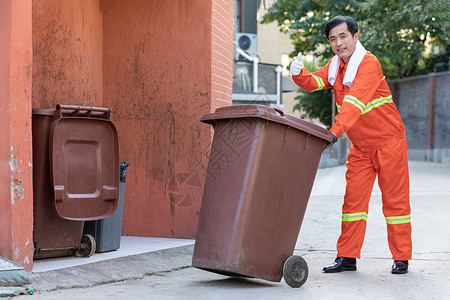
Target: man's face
x,y
342,42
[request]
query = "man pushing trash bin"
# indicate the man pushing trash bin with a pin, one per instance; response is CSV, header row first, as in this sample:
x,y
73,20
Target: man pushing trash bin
x,y
367,113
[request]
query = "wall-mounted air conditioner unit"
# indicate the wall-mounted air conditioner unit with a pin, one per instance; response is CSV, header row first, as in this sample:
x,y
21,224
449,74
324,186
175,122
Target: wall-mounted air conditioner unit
x,y
248,43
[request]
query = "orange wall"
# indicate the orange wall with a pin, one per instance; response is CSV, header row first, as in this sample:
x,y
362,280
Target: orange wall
x,y
157,78
16,190
5,130
151,62
67,53
159,64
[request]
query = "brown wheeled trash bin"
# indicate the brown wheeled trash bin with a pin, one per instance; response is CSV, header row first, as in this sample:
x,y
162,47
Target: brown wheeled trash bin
x,y
75,177
259,178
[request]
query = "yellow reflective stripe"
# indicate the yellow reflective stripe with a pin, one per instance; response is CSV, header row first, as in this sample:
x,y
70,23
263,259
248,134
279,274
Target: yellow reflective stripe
x,y
355,102
319,81
398,220
354,217
338,107
366,108
377,102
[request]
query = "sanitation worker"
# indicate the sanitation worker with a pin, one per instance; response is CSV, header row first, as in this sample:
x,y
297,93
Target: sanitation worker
x,y
372,122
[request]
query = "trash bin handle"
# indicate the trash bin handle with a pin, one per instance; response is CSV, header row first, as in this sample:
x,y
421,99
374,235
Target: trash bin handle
x,y
82,111
279,111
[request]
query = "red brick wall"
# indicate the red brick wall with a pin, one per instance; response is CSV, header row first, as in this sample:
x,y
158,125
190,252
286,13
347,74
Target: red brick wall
x,y
221,53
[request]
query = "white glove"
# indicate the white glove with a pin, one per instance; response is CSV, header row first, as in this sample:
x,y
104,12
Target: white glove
x,y
297,65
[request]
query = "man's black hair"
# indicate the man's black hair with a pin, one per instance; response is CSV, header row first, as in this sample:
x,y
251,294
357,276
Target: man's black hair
x,y
351,24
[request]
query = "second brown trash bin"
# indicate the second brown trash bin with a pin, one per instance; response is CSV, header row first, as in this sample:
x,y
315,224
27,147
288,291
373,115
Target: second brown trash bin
x,y
75,177
260,174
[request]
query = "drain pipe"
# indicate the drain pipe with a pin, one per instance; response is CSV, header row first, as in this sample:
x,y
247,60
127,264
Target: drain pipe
x,y
253,59
278,70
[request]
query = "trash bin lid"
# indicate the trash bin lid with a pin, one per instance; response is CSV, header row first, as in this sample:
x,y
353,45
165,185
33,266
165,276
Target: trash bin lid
x,y
270,114
84,167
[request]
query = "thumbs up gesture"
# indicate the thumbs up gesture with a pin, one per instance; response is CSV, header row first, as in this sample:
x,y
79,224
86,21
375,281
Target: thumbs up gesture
x,y
297,65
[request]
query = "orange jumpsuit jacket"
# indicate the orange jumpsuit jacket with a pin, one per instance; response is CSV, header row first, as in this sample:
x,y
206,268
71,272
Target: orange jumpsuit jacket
x,y
366,110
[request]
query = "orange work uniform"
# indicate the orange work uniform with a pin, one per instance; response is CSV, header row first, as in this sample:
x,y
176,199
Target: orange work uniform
x,y
372,122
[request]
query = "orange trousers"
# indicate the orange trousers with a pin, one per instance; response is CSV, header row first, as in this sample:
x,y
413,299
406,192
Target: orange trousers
x,y
391,165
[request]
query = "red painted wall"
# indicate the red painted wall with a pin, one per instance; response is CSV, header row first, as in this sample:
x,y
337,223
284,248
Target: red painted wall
x,y
16,190
5,130
159,64
151,62
157,78
67,53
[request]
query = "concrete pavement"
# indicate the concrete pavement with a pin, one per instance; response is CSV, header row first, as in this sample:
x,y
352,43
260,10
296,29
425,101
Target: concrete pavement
x,y
167,274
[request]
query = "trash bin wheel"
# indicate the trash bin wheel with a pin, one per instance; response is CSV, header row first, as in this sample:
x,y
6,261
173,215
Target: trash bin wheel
x,y
87,246
295,271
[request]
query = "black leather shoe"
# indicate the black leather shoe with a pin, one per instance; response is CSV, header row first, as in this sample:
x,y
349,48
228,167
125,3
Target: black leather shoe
x,y
341,264
400,267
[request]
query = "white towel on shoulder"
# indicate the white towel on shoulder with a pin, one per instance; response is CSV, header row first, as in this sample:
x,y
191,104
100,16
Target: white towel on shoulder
x,y
353,65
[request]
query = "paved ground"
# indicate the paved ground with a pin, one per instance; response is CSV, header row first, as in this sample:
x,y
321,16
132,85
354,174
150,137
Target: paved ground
x,y
168,274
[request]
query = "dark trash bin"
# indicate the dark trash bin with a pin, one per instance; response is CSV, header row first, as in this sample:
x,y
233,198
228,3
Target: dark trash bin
x,y
259,178
75,177
107,232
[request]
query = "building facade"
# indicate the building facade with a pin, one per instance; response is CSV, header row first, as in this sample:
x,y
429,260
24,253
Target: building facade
x,y
160,65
